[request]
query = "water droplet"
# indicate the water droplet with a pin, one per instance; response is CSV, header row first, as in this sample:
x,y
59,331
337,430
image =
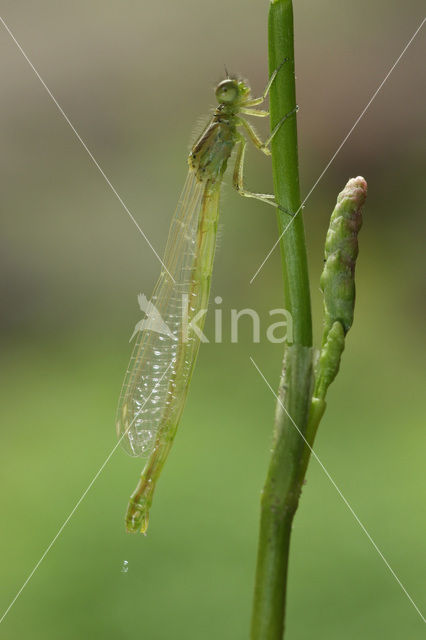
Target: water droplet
x,y
125,566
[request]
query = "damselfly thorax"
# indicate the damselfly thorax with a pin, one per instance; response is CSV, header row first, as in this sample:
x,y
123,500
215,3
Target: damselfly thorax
x,y
210,154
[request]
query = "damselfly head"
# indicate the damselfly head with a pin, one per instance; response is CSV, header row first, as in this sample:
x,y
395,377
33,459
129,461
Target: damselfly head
x,y
231,90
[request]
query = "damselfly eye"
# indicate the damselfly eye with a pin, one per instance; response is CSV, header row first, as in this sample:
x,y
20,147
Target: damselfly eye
x,y
227,91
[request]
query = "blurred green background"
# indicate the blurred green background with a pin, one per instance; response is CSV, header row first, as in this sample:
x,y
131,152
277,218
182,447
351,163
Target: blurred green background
x,y
134,78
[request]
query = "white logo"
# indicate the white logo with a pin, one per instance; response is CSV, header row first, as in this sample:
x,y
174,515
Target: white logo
x,y
153,320
188,328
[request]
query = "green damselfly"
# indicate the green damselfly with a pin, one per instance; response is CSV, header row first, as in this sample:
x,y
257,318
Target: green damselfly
x,y
156,384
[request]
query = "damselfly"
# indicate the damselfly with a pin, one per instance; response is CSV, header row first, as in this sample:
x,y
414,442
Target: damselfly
x,y
156,384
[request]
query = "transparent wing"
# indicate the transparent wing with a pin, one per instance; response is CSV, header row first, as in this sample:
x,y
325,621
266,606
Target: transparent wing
x,y
147,389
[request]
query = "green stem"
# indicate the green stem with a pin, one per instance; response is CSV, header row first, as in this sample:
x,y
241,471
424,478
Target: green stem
x,y
285,166
288,462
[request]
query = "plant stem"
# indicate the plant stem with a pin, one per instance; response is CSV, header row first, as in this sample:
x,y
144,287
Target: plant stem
x,y
285,166
285,475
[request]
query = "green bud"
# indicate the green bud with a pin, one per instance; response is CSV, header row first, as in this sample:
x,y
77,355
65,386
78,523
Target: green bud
x,y
338,281
341,251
